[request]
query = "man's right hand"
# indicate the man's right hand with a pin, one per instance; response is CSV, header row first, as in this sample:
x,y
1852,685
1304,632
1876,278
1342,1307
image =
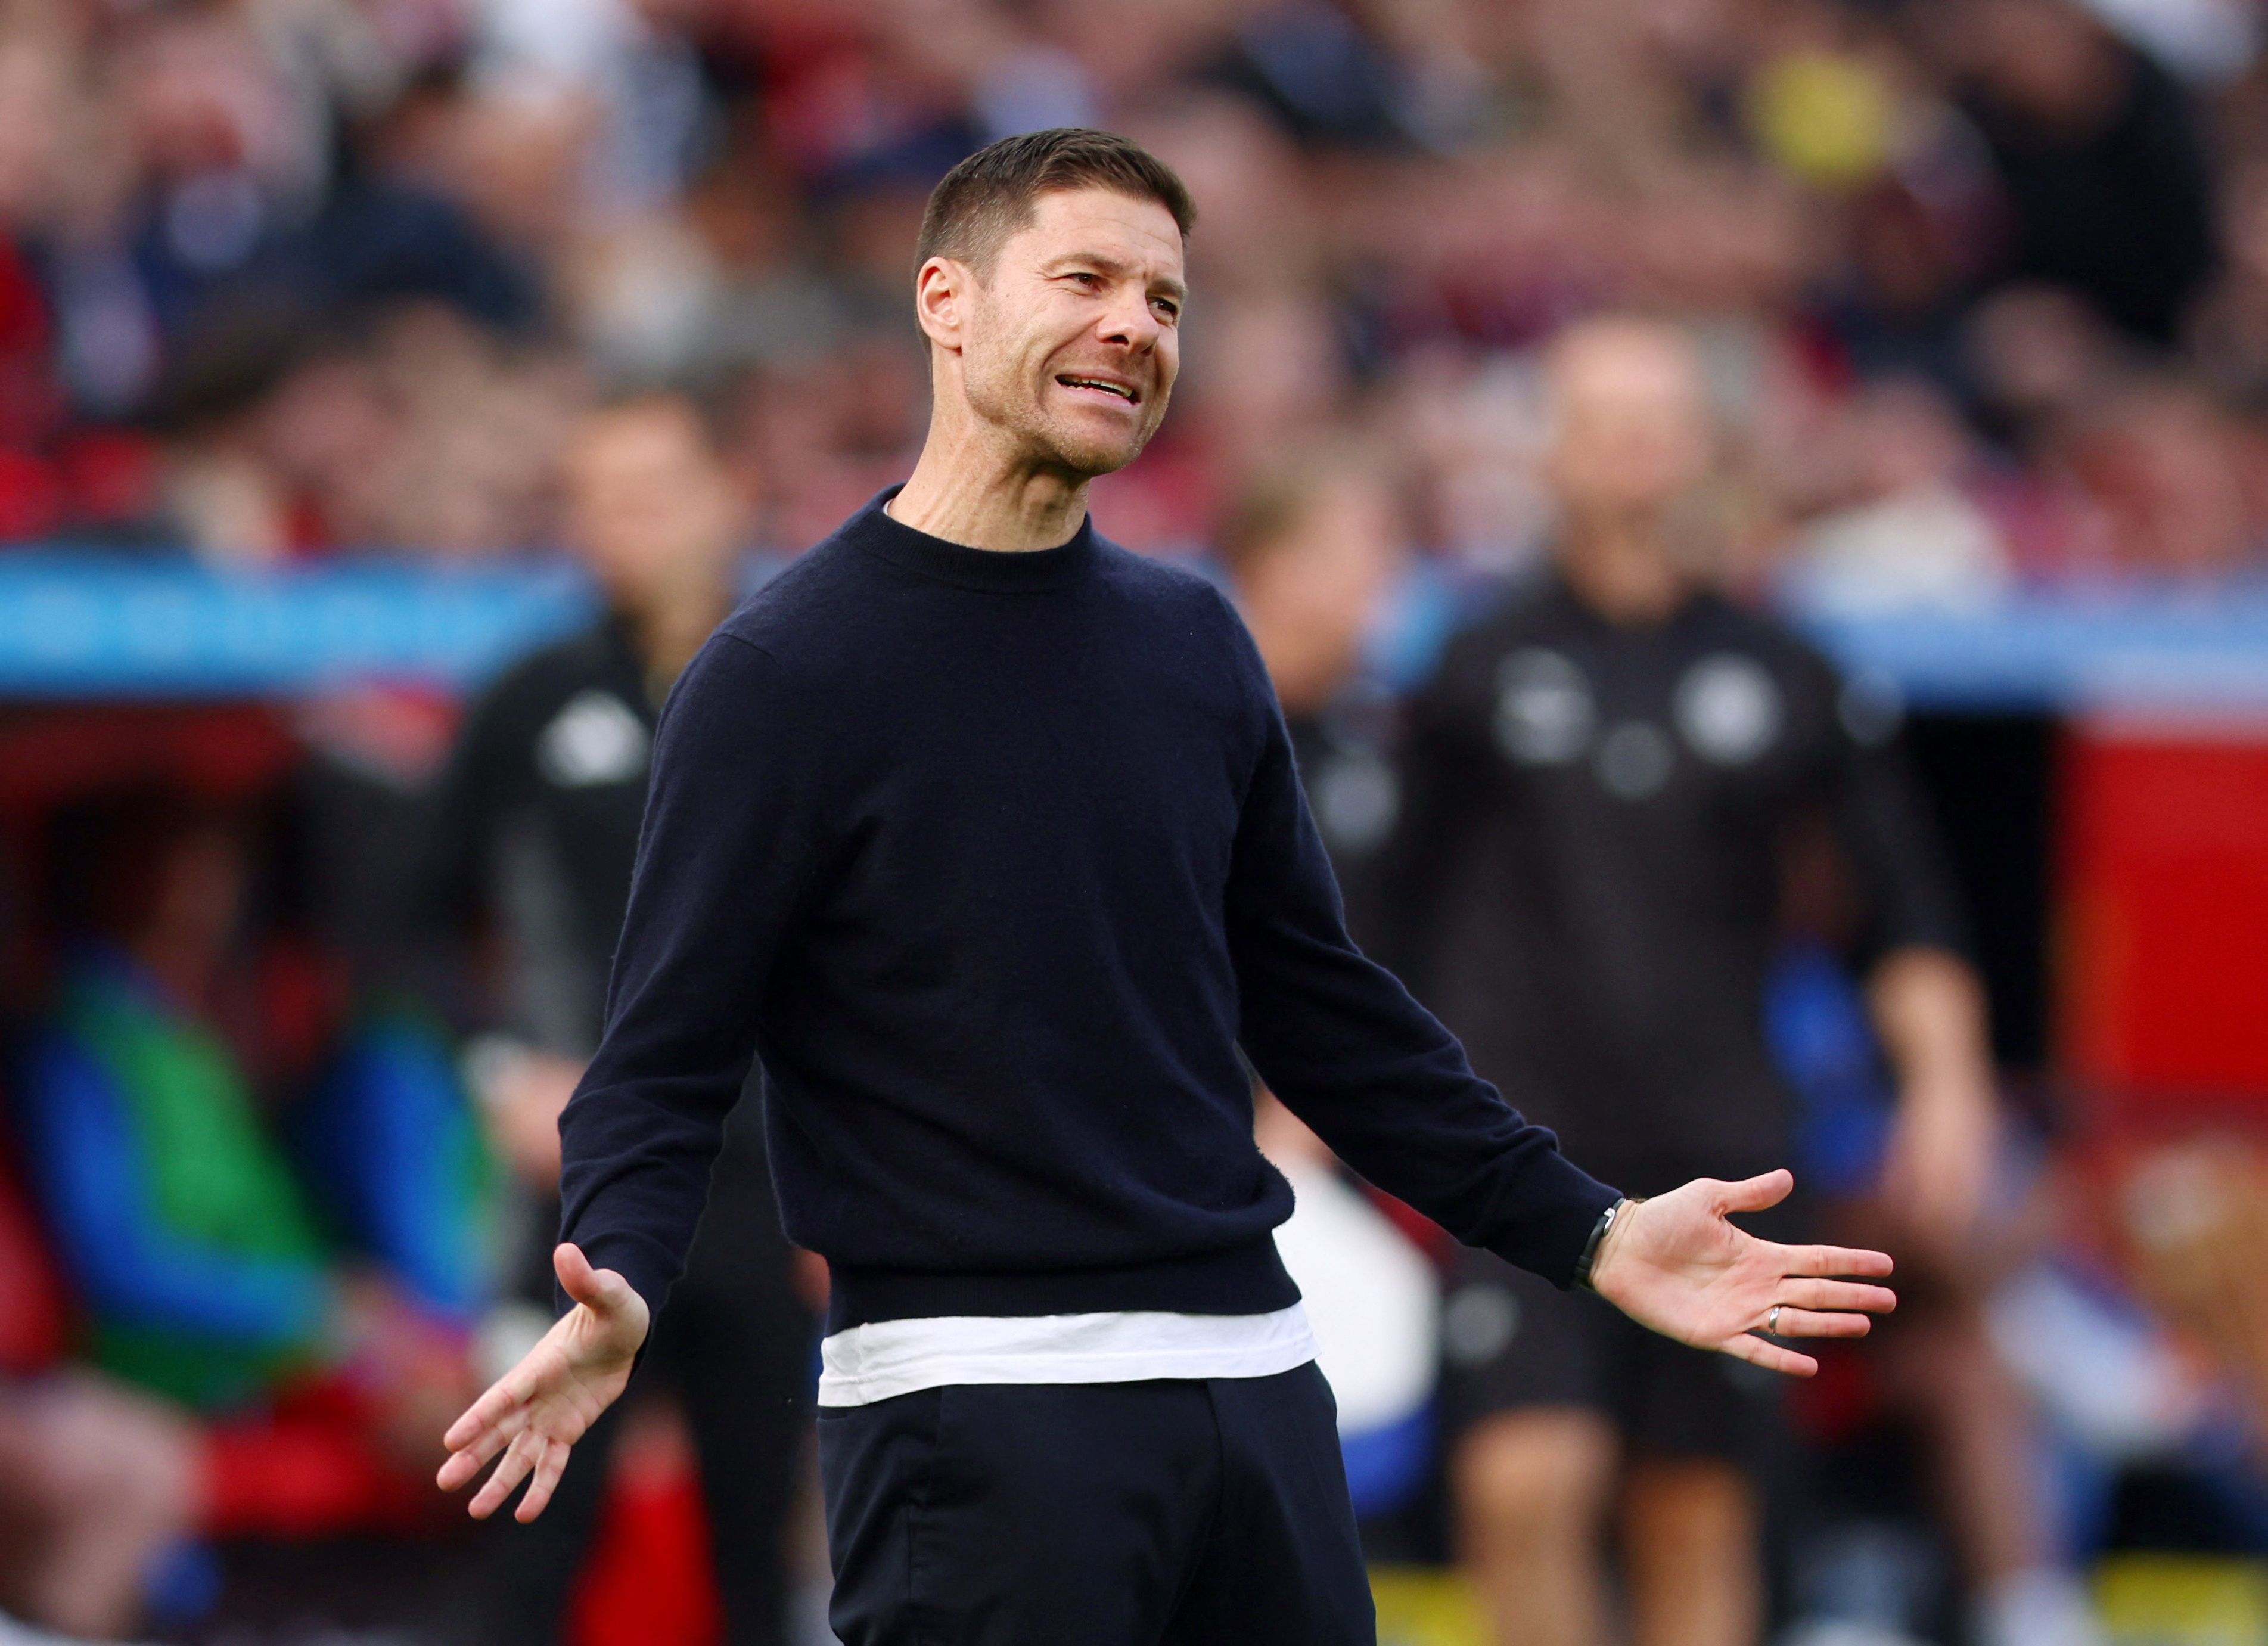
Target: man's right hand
x,y
536,1412
1677,1265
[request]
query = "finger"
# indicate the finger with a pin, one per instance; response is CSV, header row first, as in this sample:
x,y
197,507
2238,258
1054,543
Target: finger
x,y
497,1403
509,1474
505,1396
547,1470
1806,1323
468,1460
1839,1295
602,1290
1833,1260
576,1277
1770,1355
1756,1194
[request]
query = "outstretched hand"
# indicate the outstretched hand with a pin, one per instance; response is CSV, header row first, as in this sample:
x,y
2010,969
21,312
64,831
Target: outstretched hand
x,y
536,1412
1674,1264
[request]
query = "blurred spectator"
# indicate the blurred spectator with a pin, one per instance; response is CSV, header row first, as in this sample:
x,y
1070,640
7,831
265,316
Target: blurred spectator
x,y
316,1326
95,1481
1914,536
2039,359
1314,550
2098,148
430,435
351,260
179,1216
534,837
2163,469
205,1272
1598,785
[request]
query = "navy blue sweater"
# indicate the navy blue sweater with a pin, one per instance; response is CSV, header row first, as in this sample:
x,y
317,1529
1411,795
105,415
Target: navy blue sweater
x,y
995,860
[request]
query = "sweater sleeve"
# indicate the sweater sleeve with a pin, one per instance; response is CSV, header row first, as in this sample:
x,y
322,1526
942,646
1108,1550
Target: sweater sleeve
x,y
722,857
1349,1051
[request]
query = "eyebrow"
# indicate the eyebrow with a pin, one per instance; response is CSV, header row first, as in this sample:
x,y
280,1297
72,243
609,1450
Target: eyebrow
x,y
1111,265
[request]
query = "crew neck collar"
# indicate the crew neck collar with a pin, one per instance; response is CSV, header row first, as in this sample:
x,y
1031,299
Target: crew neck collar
x,y
994,571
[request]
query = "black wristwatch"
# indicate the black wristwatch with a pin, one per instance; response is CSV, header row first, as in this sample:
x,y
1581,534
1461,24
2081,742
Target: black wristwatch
x,y
1598,1239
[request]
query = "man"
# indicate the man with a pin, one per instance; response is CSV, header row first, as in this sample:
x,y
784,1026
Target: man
x,y
1599,788
533,835
985,835
1312,547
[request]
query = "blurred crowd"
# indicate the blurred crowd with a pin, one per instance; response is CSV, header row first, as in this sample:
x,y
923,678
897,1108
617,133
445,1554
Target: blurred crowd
x,y
1978,295
1985,285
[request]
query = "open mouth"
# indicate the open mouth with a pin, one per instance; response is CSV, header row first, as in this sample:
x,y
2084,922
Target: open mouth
x,y
1098,385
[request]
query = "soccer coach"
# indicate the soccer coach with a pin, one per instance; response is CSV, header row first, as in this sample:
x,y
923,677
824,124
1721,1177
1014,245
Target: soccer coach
x,y
985,835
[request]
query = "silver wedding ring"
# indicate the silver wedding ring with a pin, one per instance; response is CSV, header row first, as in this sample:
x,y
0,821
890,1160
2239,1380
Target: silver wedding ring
x,y
1771,1320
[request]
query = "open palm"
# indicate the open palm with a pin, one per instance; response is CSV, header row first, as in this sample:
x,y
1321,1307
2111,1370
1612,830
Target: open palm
x,y
1676,1265
536,1412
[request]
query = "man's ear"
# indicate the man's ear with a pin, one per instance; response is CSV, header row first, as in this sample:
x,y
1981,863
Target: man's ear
x,y
941,293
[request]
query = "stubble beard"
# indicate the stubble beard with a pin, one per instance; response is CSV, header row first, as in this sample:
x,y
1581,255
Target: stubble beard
x,y
1002,401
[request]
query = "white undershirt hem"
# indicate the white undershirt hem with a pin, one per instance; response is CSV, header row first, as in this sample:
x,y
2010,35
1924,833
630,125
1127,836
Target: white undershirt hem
x,y
888,1358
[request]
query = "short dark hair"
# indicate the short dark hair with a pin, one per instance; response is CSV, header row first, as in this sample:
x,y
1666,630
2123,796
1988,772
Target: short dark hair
x,y
706,410
988,197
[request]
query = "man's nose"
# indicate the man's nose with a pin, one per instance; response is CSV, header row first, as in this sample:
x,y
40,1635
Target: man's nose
x,y
1132,322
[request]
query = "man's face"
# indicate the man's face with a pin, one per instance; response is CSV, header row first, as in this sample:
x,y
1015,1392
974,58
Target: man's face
x,y
1633,434
1328,573
649,507
1071,347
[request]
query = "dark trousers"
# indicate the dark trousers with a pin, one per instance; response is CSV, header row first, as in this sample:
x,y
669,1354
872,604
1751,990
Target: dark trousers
x,y
1169,1513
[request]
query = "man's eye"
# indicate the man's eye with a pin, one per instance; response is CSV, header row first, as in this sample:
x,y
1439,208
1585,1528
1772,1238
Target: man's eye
x,y
1087,280
1171,311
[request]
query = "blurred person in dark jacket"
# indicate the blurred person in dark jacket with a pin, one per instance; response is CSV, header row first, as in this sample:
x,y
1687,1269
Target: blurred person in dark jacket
x,y
1598,787
532,841
1313,548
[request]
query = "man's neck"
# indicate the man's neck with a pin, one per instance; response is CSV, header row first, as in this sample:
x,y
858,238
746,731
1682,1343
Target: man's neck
x,y
967,491
1626,572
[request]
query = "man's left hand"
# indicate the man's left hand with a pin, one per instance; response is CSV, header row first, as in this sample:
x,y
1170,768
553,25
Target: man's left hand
x,y
1675,1264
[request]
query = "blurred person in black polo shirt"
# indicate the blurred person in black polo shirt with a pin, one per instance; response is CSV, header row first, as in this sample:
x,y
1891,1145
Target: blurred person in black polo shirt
x,y
1598,787
533,834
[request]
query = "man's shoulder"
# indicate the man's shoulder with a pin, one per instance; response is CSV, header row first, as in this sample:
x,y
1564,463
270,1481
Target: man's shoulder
x,y
1170,585
790,617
